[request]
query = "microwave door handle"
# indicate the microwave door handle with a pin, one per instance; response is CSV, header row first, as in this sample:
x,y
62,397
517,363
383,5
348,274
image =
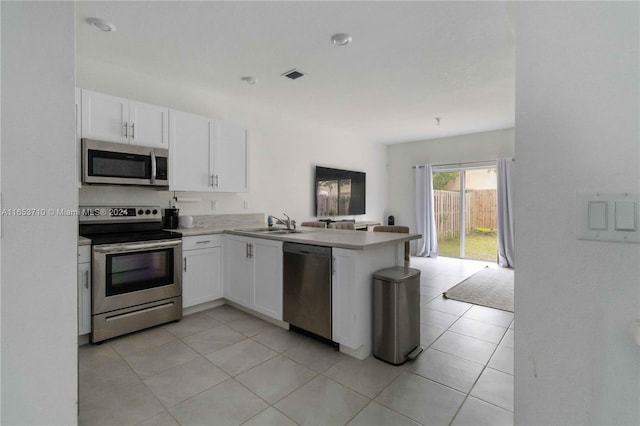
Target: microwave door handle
x,y
153,167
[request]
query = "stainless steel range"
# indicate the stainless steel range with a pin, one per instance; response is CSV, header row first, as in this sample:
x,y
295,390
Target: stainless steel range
x,y
136,269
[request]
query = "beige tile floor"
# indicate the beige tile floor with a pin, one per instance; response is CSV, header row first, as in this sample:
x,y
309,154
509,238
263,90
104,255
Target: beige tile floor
x,y
224,367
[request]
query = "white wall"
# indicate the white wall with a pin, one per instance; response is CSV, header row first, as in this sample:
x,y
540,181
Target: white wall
x,y
0,219
284,149
401,157
39,257
577,111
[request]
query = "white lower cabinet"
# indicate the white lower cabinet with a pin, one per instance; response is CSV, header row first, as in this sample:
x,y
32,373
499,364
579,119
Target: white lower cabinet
x,y
352,295
239,274
253,274
343,298
202,269
84,290
267,288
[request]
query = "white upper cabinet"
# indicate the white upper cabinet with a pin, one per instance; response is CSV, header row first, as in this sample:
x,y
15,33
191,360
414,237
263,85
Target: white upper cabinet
x,y
231,155
105,117
113,119
149,125
190,152
207,155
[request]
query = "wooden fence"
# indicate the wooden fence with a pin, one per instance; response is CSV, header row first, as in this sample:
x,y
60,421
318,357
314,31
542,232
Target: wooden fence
x,y
480,211
483,211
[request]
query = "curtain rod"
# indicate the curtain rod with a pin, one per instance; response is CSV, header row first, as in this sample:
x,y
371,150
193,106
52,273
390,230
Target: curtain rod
x,y
460,164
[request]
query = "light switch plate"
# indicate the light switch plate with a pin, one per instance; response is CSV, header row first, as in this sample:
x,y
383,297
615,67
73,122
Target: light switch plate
x,y
597,215
626,216
608,217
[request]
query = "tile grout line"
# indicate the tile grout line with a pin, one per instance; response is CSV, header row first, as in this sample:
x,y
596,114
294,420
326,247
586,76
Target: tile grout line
x,y
316,374
204,357
468,394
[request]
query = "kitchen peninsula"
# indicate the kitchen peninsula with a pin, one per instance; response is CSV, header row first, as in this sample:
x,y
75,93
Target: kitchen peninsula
x,y
253,271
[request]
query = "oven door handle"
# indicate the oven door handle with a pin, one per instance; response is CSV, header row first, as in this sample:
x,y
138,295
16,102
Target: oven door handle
x,y
135,247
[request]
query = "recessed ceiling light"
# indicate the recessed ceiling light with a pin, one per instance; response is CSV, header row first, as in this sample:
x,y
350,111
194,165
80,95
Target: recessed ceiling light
x,y
249,80
341,39
101,24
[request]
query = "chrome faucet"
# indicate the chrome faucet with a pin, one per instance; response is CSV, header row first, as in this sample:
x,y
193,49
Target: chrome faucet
x,y
289,223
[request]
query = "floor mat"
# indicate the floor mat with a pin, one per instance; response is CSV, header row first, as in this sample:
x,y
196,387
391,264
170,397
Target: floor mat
x,y
491,287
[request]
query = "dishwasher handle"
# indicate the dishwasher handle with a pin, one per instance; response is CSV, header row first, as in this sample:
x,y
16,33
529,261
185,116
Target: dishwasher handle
x,y
306,249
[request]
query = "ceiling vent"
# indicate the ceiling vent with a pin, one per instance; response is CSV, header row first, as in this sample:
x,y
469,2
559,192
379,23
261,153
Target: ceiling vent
x,y
293,74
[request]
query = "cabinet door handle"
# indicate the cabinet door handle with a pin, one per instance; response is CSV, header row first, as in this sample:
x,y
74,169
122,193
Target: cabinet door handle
x,y
203,242
246,250
217,181
211,180
185,264
86,279
250,250
133,130
126,129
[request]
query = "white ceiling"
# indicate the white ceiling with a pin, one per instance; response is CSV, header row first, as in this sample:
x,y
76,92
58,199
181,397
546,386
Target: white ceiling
x,y
409,62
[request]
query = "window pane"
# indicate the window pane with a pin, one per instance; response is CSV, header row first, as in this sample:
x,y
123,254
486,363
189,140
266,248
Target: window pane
x,y
446,194
481,236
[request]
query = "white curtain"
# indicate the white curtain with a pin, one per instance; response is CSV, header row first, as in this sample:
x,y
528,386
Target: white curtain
x,y
505,206
425,216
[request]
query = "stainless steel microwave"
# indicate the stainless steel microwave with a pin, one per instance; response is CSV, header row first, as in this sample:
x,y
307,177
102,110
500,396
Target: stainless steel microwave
x,y
121,164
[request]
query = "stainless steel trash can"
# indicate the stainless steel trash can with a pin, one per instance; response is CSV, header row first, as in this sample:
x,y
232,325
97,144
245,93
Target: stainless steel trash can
x,y
396,314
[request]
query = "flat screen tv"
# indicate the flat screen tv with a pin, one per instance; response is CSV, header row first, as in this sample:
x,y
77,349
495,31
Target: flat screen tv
x,y
339,192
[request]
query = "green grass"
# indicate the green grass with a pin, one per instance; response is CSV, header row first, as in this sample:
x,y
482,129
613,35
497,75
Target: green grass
x,y
480,244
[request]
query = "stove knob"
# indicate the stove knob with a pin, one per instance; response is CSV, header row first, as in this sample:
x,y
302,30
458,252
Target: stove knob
x,y
155,211
140,211
147,211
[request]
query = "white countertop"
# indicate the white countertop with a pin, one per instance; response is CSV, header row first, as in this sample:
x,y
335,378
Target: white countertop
x,y
203,230
354,240
82,241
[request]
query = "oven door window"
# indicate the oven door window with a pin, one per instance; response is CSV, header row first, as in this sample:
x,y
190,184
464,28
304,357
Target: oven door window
x,y
127,272
117,164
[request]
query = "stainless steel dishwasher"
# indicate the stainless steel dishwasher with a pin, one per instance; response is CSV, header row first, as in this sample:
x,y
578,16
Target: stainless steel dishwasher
x,y
307,288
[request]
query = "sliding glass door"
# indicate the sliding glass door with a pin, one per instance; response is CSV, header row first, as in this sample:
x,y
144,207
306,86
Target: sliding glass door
x,y
465,212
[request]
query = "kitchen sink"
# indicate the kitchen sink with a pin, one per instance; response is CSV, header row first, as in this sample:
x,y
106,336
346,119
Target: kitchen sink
x,y
271,230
